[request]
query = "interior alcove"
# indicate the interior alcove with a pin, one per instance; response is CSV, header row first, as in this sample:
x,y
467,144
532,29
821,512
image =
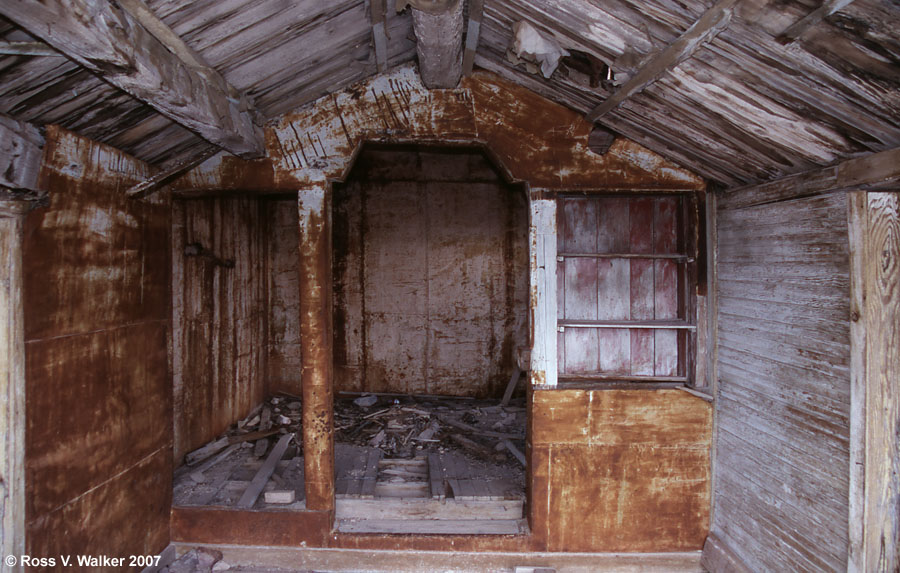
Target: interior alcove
x,y
430,273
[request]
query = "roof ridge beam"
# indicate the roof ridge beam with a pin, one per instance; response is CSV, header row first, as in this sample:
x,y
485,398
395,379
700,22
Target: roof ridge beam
x,y
108,39
703,30
438,25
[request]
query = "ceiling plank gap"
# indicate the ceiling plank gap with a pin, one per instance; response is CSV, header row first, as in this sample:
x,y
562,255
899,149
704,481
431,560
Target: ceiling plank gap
x,y
703,30
109,40
28,49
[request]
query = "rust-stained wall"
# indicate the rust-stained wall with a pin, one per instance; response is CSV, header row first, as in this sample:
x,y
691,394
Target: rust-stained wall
x,y
98,399
430,274
536,140
220,314
620,469
284,358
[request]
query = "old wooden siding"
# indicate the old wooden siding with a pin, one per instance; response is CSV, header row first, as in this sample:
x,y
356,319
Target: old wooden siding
x,y
431,275
219,315
96,298
284,359
620,470
782,465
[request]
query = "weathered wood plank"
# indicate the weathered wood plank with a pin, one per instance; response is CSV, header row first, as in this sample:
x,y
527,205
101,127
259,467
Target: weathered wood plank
x,y
879,542
248,499
12,380
543,287
872,170
20,154
711,23
126,54
161,179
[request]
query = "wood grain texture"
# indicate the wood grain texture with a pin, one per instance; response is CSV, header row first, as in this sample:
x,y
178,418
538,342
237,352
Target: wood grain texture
x,y
783,400
877,533
639,459
284,357
127,55
219,348
12,380
439,44
98,407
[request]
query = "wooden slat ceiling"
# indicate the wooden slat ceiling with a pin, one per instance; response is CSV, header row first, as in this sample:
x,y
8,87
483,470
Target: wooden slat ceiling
x,y
743,109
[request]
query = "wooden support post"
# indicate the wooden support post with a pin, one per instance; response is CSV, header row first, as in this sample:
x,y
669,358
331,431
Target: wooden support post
x,y
379,36
12,381
438,30
316,345
542,232
874,227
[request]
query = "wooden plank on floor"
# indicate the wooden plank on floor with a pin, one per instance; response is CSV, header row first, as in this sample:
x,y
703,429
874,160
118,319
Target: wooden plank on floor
x,y
402,489
434,526
436,476
371,476
265,472
426,508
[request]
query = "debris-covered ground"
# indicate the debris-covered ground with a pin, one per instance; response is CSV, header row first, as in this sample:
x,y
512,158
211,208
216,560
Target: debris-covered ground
x,y
490,436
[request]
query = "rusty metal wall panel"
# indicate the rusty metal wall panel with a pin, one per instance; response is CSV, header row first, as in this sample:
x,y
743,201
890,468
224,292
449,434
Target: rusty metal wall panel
x,y
430,275
620,470
220,312
98,400
284,359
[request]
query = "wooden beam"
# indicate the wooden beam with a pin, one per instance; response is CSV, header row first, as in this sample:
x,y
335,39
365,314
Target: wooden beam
x,y
20,154
542,269
378,34
473,32
800,27
126,54
12,380
874,526
161,179
438,25
859,173
28,49
711,23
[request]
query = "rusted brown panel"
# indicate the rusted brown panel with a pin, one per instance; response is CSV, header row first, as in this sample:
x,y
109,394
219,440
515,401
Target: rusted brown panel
x,y
126,515
93,257
640,498
97,403
639,459
316,333
282,528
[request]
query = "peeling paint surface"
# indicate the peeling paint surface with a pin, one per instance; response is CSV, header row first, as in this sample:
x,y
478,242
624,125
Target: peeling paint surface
x,y
536,140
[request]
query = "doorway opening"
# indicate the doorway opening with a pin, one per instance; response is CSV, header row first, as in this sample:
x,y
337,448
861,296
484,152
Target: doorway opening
x,y
430,315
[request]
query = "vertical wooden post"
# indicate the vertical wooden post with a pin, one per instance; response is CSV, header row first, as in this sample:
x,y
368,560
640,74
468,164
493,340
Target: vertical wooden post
x,y
874,227
316,345
542,244
12,382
